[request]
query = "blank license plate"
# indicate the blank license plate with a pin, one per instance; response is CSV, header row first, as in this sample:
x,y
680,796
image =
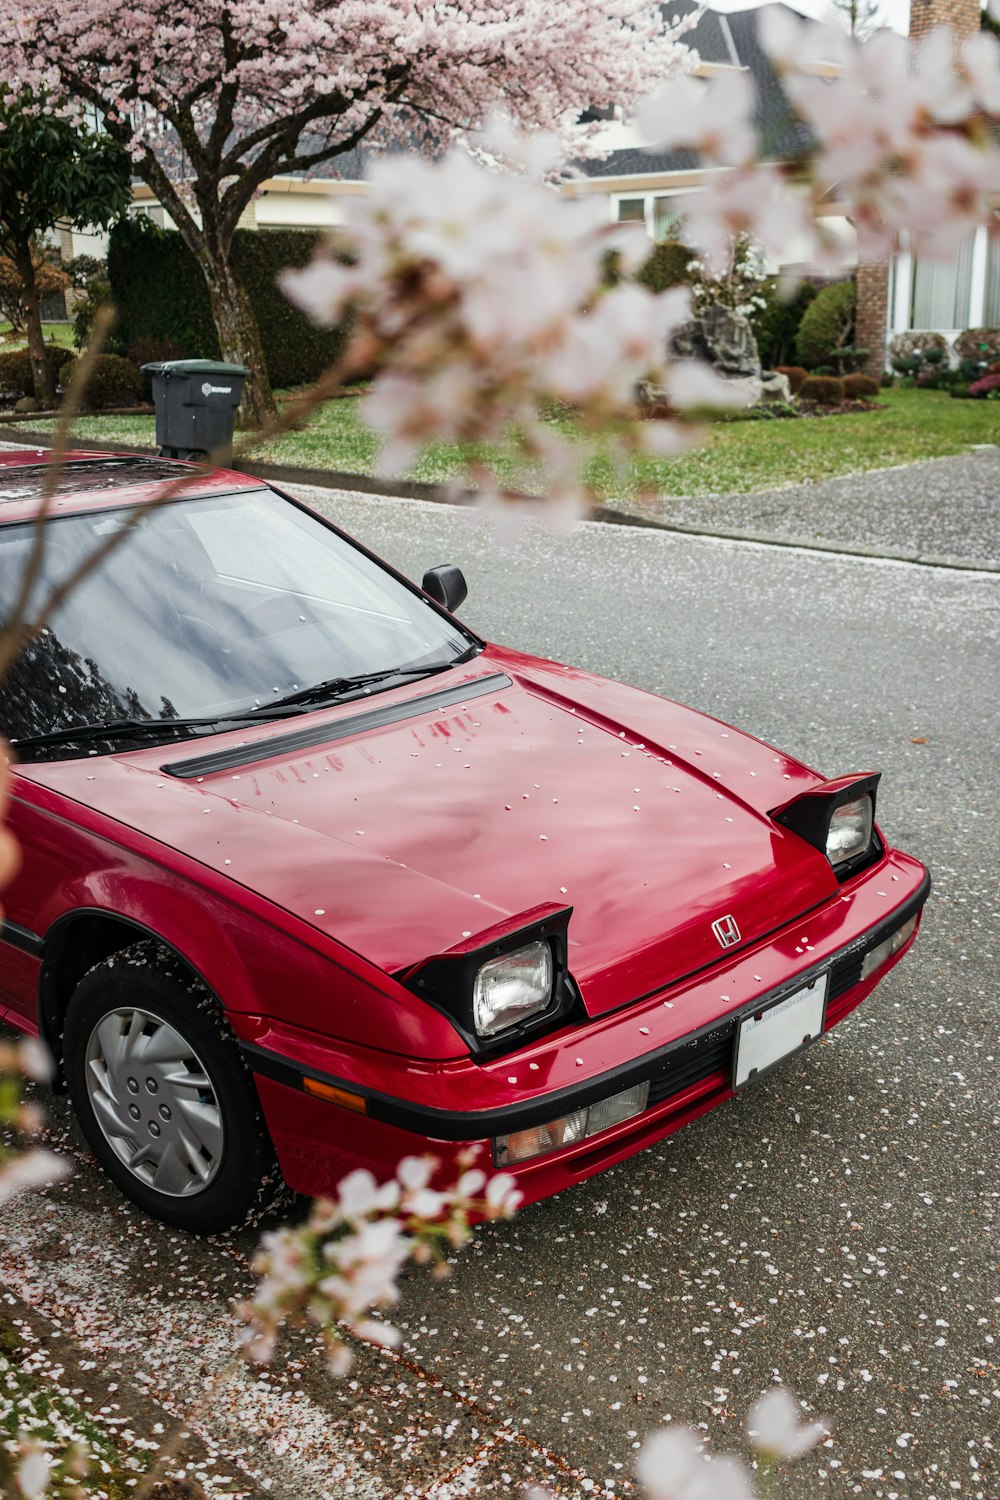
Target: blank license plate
x,y
768,1036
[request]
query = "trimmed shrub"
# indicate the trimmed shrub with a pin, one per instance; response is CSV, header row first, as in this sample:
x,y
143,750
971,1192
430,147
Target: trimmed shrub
x,y
827,324
985,386
15,369
666,266
160,293
114,381
971,369
825,390
776,325
916,345
934,378
980,345
794,374
848,359
860,388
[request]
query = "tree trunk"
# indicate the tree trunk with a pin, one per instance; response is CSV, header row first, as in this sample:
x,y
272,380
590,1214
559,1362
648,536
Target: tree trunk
x,y
40,371
239,337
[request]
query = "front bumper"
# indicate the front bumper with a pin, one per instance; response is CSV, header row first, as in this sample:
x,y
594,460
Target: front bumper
x,y
680,1040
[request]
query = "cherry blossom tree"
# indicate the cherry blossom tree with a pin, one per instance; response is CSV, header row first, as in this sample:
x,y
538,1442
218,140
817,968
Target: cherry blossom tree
x,y
213,99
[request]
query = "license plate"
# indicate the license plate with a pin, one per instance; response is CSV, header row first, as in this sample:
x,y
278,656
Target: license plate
x,y
766,1037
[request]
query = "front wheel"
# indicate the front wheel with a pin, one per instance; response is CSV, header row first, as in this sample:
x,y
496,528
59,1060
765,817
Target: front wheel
x,y
162,1094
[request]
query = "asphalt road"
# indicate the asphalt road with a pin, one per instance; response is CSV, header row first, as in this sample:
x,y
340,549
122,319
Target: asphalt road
x,y
834,1227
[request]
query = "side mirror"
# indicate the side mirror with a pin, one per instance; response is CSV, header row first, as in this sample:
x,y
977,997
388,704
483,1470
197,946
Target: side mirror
x,y
446,586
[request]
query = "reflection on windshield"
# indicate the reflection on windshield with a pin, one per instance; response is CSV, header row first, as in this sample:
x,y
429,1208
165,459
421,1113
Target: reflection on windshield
x,y
212,606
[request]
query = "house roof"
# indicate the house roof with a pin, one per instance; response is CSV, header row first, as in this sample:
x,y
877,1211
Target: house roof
x,y
724,41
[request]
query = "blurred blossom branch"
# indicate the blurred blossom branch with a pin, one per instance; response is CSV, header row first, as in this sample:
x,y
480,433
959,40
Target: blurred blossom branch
x,y
674,1464
343,1263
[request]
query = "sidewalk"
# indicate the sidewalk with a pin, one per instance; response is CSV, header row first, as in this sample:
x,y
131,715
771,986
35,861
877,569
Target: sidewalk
x,y
945,511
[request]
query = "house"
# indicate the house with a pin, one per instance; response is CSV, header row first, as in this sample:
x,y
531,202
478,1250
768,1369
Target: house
x,y
642,187
909,292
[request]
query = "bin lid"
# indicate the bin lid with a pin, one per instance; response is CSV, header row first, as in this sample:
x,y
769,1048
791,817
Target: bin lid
x,y
170,367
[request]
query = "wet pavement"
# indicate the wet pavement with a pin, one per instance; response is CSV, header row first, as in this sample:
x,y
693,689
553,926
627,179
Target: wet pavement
x,y
833,1228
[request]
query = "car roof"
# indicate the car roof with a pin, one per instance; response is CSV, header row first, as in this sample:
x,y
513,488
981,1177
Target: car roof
x,y
99,481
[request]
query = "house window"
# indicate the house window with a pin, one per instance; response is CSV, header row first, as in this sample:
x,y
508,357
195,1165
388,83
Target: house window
x,y
666,219
941,290
631,210
991,303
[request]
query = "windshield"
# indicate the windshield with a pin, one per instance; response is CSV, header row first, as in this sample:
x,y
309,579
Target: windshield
x,y
213,606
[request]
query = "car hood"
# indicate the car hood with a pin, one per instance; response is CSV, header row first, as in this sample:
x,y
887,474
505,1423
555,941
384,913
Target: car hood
x,y
402,839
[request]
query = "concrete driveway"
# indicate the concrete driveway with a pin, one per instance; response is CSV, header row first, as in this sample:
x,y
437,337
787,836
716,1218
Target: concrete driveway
x,y
834,1227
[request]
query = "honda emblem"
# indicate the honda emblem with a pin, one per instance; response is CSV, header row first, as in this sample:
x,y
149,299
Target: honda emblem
x,y
727,931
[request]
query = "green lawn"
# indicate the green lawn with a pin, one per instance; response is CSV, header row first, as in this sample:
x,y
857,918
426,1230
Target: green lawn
x,y
733,456
55,333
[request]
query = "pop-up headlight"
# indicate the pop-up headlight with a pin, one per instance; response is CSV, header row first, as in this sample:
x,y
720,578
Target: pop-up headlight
x,y
838,818
502,985
850,830
512,988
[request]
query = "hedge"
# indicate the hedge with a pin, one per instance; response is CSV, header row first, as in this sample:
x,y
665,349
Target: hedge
x,y
827,324
160,294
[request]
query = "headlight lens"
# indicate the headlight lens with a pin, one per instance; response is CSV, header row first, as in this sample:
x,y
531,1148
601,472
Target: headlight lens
x,y
876,957
850,831
511,988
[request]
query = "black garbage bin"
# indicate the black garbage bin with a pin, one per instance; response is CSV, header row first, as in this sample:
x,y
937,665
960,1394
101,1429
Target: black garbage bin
x,y
196,401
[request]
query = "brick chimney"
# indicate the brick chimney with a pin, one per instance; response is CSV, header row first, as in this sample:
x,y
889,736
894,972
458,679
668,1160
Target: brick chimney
x,y
873,276
961,15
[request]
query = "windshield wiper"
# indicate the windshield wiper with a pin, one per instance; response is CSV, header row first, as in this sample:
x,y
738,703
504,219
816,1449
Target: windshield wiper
x,y
336,687
112,728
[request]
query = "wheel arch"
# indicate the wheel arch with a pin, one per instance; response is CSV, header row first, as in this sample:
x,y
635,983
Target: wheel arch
x,y
76,942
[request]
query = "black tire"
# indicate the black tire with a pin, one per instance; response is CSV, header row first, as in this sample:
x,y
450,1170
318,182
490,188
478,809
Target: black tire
x,y
221,1170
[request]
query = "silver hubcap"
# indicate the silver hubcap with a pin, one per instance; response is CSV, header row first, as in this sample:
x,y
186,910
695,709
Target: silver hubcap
x,y
154,1101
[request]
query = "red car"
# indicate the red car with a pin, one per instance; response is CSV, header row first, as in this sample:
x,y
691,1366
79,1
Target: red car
x,y
313,875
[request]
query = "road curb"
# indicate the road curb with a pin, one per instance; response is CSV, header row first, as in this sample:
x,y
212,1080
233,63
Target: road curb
x,y
442,494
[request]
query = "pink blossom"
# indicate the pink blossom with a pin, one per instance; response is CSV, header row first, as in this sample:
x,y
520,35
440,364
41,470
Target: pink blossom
x,y
32,1169
980,63
415,1172
32,1477
691,383
713,118
773,1426
35,1059
673,1466
751,200
503,1194
358,1194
